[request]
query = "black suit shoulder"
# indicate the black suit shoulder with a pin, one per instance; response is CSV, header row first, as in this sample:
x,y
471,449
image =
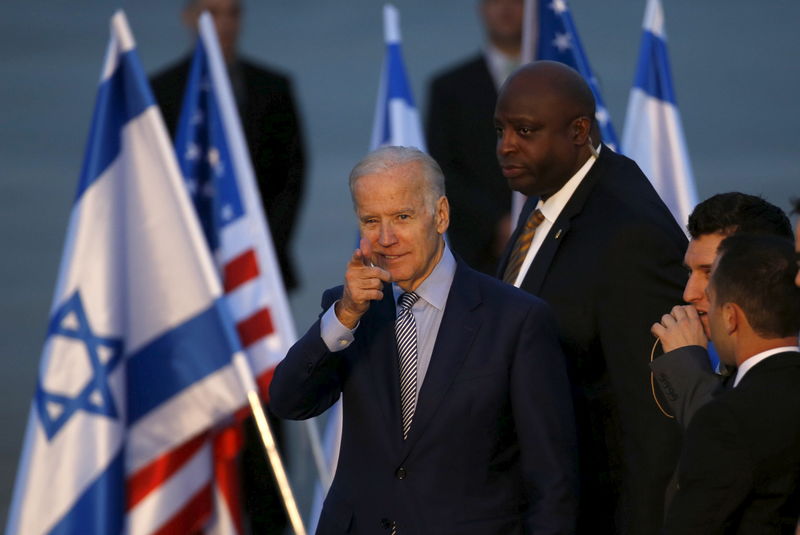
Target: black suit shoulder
x,y
465,72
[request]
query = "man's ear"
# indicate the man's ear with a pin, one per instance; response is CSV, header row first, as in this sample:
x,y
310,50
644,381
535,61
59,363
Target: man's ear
x,y
442,214
732,316
581,128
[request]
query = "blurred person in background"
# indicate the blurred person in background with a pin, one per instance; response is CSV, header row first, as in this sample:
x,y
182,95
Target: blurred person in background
x,y
461,139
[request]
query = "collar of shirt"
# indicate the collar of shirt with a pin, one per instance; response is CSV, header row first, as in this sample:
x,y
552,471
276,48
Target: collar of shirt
x,y
500,65
758,357
552,207
435,288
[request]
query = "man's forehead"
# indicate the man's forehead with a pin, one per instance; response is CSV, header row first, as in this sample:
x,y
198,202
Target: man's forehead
x,y
703,249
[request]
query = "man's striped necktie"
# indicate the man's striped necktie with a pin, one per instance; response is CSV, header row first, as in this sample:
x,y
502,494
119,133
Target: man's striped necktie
x,y
521,246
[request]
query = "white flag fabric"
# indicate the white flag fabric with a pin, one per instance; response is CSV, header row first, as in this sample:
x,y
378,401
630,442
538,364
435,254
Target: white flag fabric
x,y
653,134
396,116
396,123
141,354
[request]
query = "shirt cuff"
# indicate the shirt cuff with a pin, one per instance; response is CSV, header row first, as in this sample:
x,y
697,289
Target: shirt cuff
x,y
335,335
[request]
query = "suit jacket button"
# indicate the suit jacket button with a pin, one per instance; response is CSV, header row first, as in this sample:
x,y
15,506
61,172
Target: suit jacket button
x,y
401,473
386,523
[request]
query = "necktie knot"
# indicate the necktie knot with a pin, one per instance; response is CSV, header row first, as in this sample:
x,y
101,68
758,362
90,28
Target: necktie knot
x,y
407,300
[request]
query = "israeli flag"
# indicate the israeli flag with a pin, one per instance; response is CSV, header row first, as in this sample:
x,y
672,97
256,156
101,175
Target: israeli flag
x,y
140,354
396,116
557,40
653,134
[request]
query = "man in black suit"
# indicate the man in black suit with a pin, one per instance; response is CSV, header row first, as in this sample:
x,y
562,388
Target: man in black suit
x,y
684,371
269,119
457,411
606,255
740,466
459,136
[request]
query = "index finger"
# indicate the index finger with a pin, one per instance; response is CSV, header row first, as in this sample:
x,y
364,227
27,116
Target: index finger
x,y
692,314
366,252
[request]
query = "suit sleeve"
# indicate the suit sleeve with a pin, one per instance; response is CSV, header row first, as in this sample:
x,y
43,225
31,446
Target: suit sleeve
x,y
545,423
714,476
641,277
687,381
309,379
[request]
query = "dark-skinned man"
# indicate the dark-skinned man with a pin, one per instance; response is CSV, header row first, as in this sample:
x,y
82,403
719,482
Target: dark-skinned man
x,y
596,242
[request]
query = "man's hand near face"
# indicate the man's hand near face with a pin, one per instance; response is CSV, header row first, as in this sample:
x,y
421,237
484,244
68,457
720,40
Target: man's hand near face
x,y
680,328
363,282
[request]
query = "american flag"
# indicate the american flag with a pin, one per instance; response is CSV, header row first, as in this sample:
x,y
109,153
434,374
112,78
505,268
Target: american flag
x,y
550,33
216,166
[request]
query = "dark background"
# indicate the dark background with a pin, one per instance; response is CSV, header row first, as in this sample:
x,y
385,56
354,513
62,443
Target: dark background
x,y
734,65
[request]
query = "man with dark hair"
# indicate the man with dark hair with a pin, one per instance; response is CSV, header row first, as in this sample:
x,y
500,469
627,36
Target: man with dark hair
x,y
684,372
597,243
740,466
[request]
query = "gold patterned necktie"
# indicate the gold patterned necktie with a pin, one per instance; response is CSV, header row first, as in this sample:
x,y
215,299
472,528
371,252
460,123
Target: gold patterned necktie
x,y
521,246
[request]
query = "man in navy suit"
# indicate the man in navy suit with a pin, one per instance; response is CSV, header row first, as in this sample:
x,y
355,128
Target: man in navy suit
x,y
457,410
606,254
740,466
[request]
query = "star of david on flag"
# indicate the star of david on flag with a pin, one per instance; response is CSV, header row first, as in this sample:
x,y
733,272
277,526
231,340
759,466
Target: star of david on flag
x,y
84,361
141,357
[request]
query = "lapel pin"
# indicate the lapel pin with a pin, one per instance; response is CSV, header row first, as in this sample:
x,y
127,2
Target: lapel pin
x,y
558,234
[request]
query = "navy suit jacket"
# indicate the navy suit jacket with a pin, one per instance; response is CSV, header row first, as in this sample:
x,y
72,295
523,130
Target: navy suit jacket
x,y
609,267
740,465
492,446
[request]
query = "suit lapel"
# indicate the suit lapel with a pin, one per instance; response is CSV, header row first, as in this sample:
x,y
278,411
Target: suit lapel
x,y
540,266
384,360
456,333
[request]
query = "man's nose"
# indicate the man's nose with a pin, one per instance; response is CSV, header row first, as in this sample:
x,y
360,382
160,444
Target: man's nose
x,y
387,236
694,290
505,142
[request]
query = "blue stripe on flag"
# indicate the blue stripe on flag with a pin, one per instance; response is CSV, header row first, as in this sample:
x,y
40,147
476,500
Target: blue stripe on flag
x,y
100,510
652,72
398,81
120,98
164,367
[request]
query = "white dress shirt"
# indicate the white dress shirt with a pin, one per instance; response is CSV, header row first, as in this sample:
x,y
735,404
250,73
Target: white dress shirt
x,y
500,65
551,209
